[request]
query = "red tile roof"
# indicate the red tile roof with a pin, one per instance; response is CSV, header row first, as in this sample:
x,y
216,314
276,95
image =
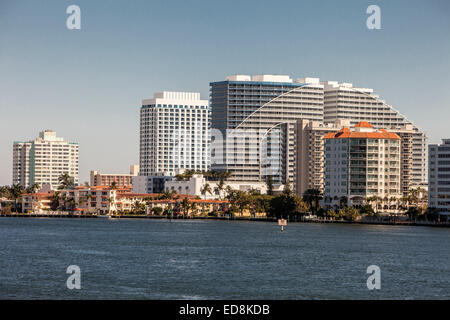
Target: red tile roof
x,y
346,133
363,124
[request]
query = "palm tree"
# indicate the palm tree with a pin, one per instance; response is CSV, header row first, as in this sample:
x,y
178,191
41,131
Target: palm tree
x,y
313,197
4,191
185,206
15,192
138,207
166,195
33,188
65,181
343,201
206,189
54,203
220,187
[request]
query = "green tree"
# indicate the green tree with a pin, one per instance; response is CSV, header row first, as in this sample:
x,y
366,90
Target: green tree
x,y
239,201
15,193
269,183
33,188
349,213
313,197
286,205
157,211
432,214
206,189
185,206
65,181
220,187
343,201
367,209
55,201
413,213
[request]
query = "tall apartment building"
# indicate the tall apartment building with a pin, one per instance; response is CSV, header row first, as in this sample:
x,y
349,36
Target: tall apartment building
x,y
362,162
106,179
253,121
174,134
343,101
310,152
439,176
44,159
311,155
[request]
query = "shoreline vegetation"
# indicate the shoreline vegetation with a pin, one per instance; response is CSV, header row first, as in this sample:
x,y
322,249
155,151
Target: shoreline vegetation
x,y
250,205
374,221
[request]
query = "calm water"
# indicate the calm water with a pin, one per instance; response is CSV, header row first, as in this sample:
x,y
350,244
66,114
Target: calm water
x,y
159,259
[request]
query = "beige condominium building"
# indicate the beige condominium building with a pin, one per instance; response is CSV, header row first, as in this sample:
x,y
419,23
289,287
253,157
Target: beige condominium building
x,y
107,179
311,156
44,159
346,102
362,162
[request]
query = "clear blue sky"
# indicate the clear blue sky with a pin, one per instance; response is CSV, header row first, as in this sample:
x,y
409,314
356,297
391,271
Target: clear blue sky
x,y
88,84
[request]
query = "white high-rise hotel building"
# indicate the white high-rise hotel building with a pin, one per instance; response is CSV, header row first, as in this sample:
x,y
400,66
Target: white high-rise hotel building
x,y
44,159
174,134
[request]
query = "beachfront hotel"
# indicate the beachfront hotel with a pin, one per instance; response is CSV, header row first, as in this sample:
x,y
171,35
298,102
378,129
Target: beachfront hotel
x,y
439,176
344,101
174,134
254,119
362,162
44,160
120,179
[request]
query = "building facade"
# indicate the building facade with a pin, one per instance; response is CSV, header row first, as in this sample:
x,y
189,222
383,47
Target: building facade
x,y
174,134
311,156
195,185
343,101
310,152
106,179
362,162
44,160
253,121
439,176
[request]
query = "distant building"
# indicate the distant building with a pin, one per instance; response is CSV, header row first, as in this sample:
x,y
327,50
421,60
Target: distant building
x,y
149,184
439,176
362,162
104,179
44,160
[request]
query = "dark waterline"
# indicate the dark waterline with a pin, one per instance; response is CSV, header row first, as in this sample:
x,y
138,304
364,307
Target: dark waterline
x,y
185,259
